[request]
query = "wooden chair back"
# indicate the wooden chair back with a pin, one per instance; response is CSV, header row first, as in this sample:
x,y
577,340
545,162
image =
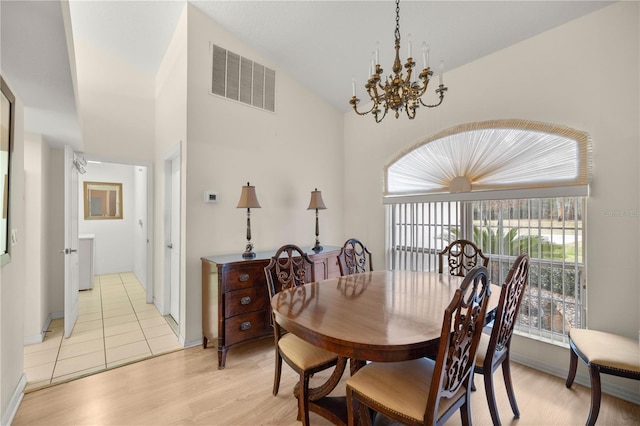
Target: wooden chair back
x,y
461,328
354,258
508,307
496,346
462,256
289,267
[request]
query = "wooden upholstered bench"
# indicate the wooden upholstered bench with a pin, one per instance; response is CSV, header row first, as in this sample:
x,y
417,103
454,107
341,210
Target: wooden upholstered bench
x,y
603,353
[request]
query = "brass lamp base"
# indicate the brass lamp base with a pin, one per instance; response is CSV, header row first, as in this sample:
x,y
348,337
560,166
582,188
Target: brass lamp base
x,y
248,252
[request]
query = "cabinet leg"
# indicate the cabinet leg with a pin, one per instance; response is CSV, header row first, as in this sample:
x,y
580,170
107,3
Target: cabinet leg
x,y
204,342
222,357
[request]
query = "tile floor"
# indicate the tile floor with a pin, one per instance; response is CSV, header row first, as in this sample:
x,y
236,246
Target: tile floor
x,y
115,327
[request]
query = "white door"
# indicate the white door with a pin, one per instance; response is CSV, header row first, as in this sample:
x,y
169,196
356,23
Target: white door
x,y
71,243
174,241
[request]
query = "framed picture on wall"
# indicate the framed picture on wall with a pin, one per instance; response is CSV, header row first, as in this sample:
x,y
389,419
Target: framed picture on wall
x,y
102,200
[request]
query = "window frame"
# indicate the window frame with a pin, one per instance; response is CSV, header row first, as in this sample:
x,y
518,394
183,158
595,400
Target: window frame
x,y
538,187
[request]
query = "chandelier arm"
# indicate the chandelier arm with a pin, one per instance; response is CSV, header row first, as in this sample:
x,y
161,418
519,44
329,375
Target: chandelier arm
x,y
411,109
378,120
374,89
354,102
416,93
440,91
408,79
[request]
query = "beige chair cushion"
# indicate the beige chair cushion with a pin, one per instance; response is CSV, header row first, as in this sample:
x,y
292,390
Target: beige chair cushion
x,y
302,353
607,349
483,346
402,387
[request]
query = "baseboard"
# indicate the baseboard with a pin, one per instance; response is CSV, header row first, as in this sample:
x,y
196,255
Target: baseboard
x,y
32,340
15,401
174,326
191,343
627,393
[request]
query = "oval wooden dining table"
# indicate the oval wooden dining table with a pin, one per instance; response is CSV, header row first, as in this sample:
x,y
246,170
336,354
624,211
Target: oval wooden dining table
x,y
379,316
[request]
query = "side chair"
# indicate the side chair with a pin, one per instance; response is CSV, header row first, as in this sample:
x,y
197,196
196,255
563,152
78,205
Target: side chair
x,y
603,353
290,267
354,258
493,350
462,256
426,391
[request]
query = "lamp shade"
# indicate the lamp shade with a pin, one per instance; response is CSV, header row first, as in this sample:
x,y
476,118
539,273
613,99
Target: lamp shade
x,y
248,198
316,201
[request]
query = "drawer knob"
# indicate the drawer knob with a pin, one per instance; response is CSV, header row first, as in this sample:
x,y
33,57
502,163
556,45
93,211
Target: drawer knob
x,y
245,300
244,277
245,325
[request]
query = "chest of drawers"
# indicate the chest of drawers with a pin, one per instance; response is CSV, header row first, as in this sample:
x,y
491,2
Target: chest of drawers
x,y
235,300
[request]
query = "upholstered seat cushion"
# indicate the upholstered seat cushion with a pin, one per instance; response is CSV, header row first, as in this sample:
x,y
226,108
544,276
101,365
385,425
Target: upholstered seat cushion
x,y
402,387
482,349
302,353
607,349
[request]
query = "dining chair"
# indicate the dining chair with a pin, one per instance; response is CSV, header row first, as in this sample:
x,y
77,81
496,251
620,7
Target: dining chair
x,y
493,349
354,258
425,391
603,353
462,256
291,267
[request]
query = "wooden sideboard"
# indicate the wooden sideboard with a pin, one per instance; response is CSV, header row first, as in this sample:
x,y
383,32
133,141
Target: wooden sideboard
x,y
235,300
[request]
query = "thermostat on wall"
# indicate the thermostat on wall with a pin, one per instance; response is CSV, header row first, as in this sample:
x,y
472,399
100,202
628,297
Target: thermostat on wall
x,y
210,197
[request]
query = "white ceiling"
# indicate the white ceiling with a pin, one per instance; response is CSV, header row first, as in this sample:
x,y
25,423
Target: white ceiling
x,y
35,60
321,43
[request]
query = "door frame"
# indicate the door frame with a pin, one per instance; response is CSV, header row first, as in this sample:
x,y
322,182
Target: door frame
x,y
173,153
150,247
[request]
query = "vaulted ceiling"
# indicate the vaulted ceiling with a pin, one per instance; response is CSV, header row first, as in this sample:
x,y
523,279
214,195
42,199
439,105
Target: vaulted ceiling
x,y
323,44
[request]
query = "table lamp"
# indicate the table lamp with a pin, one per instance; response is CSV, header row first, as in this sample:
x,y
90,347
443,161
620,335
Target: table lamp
x,y
317,204
248,200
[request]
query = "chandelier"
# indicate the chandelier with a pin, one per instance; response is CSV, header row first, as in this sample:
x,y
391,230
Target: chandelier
x,y
398,92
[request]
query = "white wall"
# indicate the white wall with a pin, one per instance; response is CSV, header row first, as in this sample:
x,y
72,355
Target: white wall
x,y
114,239
140,224
285,155
12,278
171,129
116,104
584,75
36,169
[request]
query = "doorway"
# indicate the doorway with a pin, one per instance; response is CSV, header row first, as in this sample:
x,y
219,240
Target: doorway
x,y
121,242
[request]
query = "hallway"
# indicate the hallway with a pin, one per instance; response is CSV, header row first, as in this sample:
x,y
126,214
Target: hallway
x,y
115,327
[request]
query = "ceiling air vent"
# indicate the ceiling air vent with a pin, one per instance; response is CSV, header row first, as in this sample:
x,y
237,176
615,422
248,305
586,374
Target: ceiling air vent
x,y
242,80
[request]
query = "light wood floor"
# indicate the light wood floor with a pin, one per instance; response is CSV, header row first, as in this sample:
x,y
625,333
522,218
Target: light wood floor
x,y
185,387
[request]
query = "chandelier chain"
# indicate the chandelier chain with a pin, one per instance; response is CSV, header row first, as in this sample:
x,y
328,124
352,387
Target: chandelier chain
x,y
397,19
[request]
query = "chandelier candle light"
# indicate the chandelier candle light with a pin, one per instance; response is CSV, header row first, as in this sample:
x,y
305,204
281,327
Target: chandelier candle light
x,y
398,92
317,204
248,200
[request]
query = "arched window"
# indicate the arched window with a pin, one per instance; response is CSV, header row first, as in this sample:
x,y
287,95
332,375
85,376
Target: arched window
x,y
509,186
